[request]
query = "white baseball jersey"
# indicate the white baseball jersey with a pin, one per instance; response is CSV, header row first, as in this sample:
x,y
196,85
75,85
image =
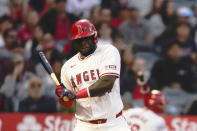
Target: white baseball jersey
x,y
77,74
141,119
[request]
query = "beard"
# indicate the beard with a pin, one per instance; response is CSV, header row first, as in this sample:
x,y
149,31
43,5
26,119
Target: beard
x,y
90,51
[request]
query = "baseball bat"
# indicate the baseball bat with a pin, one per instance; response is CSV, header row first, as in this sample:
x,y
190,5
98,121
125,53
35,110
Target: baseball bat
x,y
49,69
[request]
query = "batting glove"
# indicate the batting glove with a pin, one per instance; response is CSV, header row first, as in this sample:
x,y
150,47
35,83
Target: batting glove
x,y
62,92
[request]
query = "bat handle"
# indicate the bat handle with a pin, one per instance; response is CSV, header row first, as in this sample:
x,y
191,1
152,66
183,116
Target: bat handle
x,y
54,78
65,98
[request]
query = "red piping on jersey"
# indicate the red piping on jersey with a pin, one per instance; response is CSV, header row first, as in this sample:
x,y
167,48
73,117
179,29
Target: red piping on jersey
x,y
109,74
84,58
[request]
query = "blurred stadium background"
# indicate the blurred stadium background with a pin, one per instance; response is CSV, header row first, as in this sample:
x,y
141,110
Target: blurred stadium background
x,y
158,37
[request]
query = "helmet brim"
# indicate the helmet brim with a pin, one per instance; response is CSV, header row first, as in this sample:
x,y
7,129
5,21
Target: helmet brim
x,y
82,35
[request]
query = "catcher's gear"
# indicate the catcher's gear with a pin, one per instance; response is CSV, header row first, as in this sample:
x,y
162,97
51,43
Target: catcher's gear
x,y
154,101
84,28
61,92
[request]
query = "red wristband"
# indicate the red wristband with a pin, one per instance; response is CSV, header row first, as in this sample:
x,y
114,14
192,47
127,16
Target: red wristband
x,y
83,93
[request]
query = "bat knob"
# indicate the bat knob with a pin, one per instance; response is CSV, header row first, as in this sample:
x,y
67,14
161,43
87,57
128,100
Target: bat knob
x,y
65,98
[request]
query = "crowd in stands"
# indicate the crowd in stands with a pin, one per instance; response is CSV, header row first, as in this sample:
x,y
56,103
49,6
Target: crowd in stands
x,y
155,37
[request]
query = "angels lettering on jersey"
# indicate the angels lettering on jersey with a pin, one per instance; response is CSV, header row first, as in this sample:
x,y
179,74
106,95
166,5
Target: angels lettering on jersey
x,y
85,76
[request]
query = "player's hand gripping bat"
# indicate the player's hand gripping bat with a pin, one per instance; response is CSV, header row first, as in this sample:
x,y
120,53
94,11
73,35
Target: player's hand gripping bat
x,y
49,69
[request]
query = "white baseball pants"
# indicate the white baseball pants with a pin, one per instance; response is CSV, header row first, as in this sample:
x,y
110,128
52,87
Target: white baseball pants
x,y
113,124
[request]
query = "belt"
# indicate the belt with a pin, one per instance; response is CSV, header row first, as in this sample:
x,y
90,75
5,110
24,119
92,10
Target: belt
x,y
101,121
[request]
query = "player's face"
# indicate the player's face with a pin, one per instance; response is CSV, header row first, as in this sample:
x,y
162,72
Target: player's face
x,y
85,46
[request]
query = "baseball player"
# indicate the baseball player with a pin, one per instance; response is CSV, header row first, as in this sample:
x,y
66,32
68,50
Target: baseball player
x,y
147,119
91,77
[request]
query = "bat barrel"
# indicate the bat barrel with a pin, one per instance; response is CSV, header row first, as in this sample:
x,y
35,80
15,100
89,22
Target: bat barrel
x,y
45,63
48,67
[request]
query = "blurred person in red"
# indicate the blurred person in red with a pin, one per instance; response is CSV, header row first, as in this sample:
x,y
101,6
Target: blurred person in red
x,y
17,12
31,20
148,118
57,21
134,77
6,22
143,82
123,15
37,101
132,68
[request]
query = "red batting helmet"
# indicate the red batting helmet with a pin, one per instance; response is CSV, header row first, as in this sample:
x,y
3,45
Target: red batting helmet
x,y
153,99
83,28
